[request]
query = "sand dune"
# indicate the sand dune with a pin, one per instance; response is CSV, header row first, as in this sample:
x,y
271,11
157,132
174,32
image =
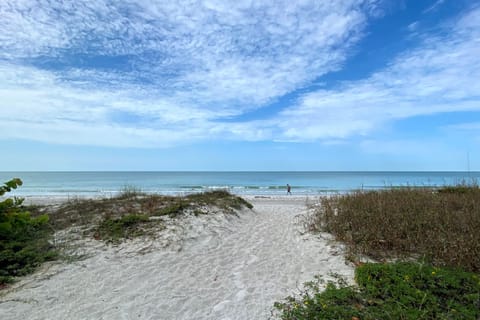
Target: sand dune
x,y
220,267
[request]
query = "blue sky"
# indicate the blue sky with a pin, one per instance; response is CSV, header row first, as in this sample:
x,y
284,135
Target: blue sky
x,y
240,85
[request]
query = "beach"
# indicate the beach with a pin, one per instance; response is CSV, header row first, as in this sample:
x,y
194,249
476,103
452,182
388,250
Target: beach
x,y
213,267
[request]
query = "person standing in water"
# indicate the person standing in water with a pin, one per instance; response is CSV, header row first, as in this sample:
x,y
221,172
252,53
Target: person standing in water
x,y
289,189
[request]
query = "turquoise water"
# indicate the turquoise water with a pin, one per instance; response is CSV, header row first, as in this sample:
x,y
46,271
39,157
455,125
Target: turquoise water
x,y
268,183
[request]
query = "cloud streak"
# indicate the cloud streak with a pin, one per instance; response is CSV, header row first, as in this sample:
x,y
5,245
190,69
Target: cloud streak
x,y
437,76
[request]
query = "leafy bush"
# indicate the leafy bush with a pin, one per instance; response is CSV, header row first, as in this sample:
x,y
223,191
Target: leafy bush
x,y
24,240
441,225
389,291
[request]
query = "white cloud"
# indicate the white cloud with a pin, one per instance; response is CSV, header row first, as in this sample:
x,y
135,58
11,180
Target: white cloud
x,y
37,106
412,27
185,69
440,75
174,66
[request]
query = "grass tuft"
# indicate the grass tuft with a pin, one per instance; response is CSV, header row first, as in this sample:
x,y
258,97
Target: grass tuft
x,y
173,209
221,199
130,192
115,229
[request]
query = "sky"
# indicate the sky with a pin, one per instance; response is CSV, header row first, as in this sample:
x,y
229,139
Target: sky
x,y
287,85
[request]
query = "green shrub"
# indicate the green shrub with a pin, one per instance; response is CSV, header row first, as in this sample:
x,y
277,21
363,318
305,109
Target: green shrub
x,y
24,240
389,291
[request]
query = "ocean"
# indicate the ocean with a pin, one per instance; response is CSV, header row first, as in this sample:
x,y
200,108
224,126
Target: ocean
x,y
93,184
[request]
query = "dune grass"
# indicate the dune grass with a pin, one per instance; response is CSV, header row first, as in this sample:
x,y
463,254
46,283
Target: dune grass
x,y
441,226
89,212
26,232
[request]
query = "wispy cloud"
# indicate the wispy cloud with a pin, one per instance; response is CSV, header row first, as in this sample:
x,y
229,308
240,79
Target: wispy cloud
x,y
440,75
159,73
36,105
173,66
434,6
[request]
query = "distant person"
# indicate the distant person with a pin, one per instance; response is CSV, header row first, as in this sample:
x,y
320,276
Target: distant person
x,y
289,189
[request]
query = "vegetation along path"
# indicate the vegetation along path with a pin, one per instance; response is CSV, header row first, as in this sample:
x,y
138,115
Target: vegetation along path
x,y
234,269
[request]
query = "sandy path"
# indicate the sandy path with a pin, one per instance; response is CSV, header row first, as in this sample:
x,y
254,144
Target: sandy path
x,y
236,270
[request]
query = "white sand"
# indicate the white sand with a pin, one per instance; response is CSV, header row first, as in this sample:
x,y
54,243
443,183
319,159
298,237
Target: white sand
x,y
227,267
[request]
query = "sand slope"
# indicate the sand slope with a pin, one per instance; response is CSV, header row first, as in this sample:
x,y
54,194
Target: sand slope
x,y
229,268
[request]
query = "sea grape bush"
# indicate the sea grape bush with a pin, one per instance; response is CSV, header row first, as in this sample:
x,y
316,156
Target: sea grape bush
x,y
23,239
408,291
